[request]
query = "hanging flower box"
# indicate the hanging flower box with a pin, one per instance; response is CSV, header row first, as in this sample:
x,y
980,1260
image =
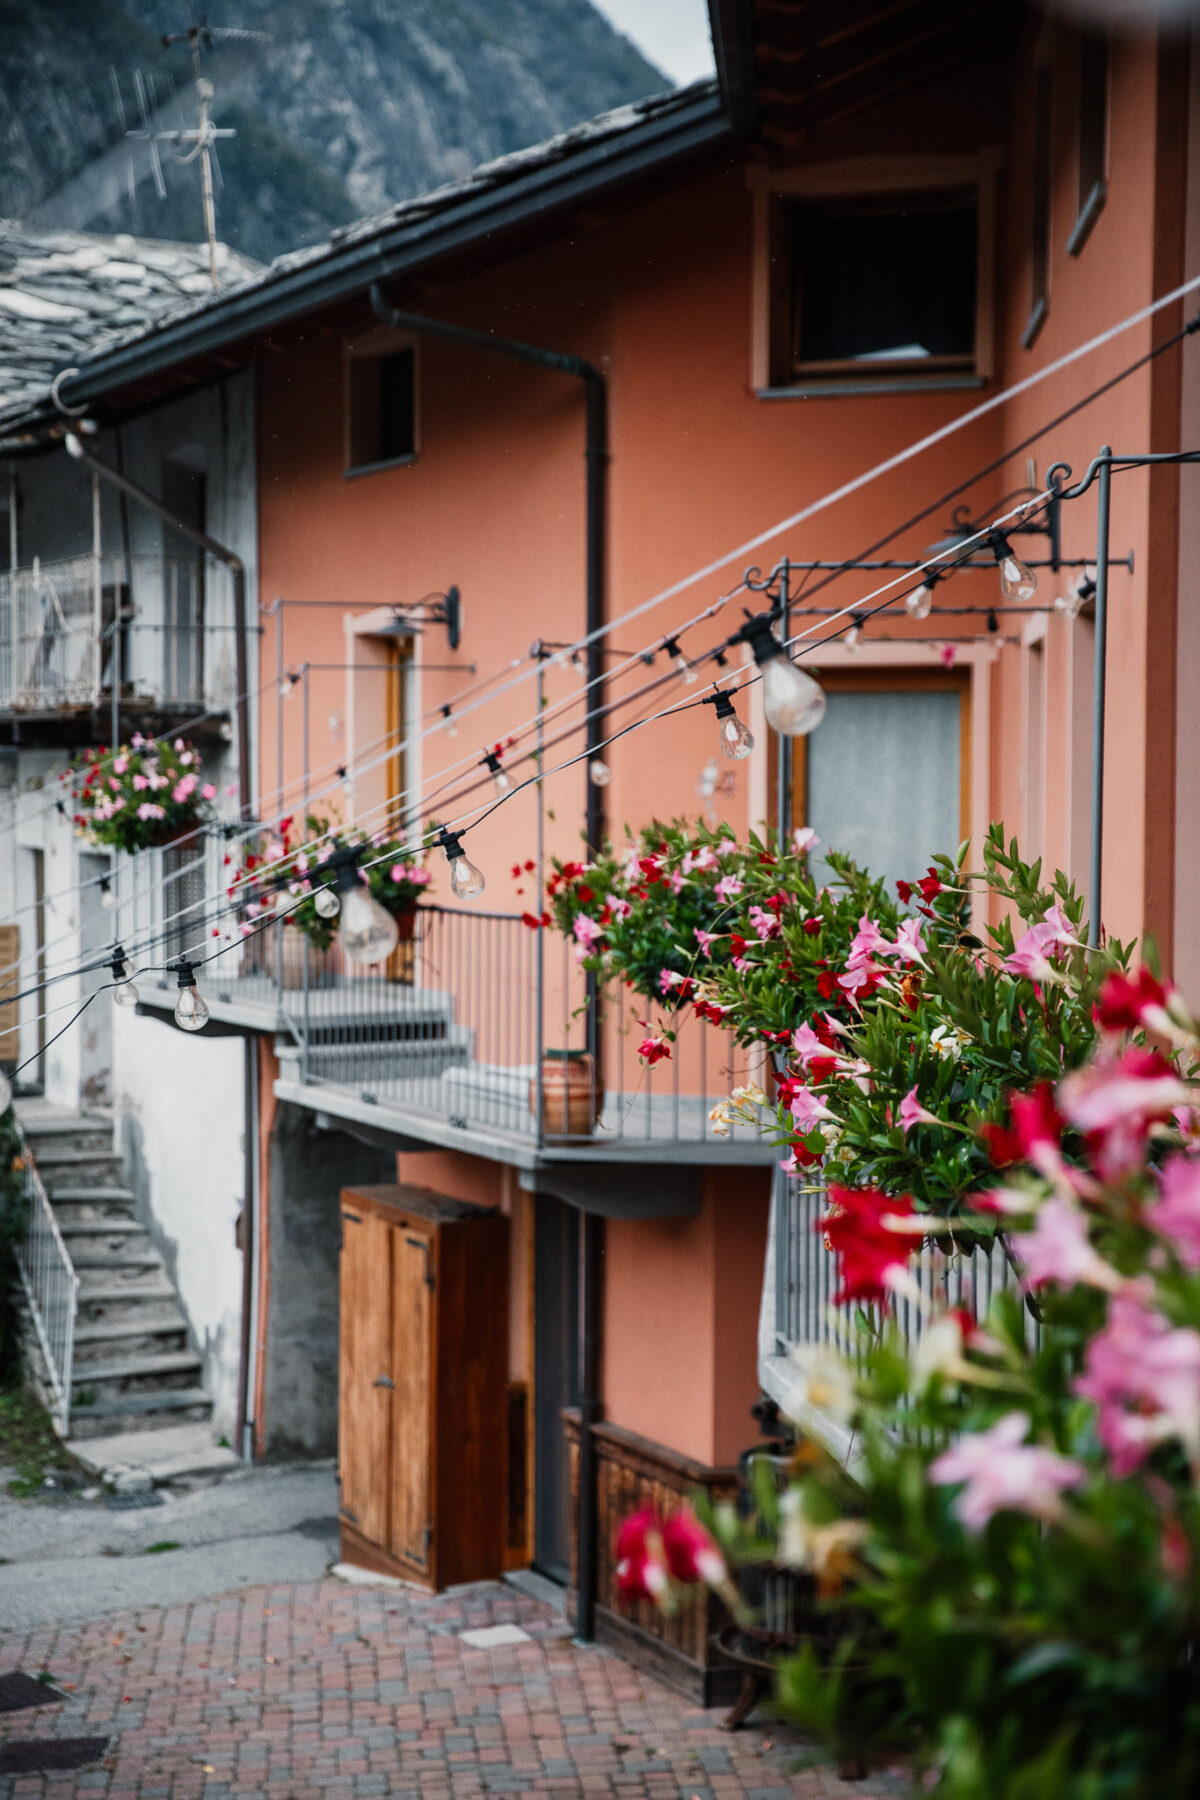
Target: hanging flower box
x,y
145,793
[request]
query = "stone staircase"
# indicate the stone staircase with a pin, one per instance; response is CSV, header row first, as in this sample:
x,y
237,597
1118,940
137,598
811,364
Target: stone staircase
x,y
135,1368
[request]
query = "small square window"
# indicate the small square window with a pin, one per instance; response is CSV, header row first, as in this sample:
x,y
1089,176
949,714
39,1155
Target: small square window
x,y
382,401
882,288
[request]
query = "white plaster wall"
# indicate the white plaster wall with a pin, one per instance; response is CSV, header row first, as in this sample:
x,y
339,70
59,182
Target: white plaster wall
x,y
31,822
180,1104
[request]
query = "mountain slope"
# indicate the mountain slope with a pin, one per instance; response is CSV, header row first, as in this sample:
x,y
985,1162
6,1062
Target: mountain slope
x,y
341,107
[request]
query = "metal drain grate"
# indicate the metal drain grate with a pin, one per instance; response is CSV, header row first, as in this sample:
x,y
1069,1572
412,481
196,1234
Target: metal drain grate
x,y
18,1689
29,1756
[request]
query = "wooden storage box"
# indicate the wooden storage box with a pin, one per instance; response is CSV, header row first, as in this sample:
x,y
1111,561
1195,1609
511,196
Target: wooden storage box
x,y
422,1425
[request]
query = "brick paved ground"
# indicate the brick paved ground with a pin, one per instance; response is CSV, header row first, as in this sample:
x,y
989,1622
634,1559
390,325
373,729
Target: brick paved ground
x,y
324,1691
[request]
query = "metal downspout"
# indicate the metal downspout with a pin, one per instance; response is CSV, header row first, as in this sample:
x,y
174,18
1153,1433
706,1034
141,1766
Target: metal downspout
x,y
590,1240
237,570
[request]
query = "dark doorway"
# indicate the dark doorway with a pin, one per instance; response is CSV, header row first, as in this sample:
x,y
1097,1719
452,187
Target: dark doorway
x,y
556,1329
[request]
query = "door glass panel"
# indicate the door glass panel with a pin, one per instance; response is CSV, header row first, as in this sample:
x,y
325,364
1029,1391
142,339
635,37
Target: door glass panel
x,y
884,779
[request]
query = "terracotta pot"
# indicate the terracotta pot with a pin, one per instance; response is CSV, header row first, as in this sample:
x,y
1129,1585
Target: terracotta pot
x,y
571,1100
406,924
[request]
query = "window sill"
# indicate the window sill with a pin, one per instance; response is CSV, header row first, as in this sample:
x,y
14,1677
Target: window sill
x,y
392,462
901,384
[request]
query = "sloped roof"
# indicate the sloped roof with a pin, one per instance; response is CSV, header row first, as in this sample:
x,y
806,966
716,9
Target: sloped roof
x,y
510,190
67,295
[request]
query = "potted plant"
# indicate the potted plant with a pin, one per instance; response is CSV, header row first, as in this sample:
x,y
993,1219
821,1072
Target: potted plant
x,y
144,793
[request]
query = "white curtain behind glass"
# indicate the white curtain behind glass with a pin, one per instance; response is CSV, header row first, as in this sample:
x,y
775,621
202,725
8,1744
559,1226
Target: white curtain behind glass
x,y
883,780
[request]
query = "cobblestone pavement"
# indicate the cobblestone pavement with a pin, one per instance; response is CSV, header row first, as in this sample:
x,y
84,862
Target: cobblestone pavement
x,y
321,1690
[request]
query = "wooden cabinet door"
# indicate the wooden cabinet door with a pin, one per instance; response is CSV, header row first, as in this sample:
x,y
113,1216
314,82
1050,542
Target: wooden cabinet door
x,y
365,1373
412,1403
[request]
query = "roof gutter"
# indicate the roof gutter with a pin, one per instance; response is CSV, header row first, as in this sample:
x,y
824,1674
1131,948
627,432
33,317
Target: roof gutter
x,y
406,247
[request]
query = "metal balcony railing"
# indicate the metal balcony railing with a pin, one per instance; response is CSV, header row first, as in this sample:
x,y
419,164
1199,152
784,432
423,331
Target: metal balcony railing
x,y
69,629
476,1022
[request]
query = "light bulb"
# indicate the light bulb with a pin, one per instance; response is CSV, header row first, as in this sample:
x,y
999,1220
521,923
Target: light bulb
x,y
686,673
1016,581
792,700
465,879
368,934
599,773
125,994
108,898
852,636
327,902
500,780
919,604
736,741
191,1013
5,1093
1081,590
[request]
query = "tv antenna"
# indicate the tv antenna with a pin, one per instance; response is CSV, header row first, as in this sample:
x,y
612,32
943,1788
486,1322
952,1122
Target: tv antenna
x,y
199,143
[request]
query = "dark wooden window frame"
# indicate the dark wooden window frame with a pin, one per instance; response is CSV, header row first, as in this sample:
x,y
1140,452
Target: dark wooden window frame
x,y
372,348
1041,191
1092,138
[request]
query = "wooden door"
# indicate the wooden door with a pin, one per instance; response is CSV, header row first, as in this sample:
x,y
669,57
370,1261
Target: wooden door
x,y
365,1372
413,1423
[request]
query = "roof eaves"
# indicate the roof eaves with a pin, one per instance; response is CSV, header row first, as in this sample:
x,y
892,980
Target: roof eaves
x,y
411,242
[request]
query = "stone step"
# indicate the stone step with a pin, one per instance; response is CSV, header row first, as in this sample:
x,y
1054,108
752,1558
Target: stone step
x,y
121,1261
139,1412
141,1304
123,1239
114,1228
157,1372
75,1168
48,1132
169,1452
130,1339
98,1207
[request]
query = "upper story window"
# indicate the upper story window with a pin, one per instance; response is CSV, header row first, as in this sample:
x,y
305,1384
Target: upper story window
x,y
882,286
874,276
381,406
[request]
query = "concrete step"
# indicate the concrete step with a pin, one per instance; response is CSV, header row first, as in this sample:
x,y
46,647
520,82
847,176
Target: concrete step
x,y
48,1132
139,1412
121,1238
122,1261
170,1452
76,1168
79,1199
135,1305
157,1372
128,1339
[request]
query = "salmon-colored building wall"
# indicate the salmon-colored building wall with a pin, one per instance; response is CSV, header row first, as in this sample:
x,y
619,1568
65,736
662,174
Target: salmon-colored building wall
x,y
657,289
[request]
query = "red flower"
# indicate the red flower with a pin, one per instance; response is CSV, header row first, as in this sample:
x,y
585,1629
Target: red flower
x,y
904,889
649,865
529,865
827,985
692,1554
653,1047
642,1572
516,871
533,922
805,1158
871,1254
930,886
1126,1005
737,944
767,861
584,894
1036,1126
812,926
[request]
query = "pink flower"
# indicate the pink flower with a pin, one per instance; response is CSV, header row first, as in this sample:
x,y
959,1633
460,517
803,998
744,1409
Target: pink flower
x,y
808,1109
808,1046
1145,1380
909,946
913,1113
179,743
1176,1212
868,941
804,839
120,765
691,1553
861,977
114,784
641,1557
208,791
729,887
138,740
586,931
1002,1473
1031,955
620,909
140,783
1058,1249
668,979
706,940
1115,1100
148,810
766,925
399,872
702,858
949,655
